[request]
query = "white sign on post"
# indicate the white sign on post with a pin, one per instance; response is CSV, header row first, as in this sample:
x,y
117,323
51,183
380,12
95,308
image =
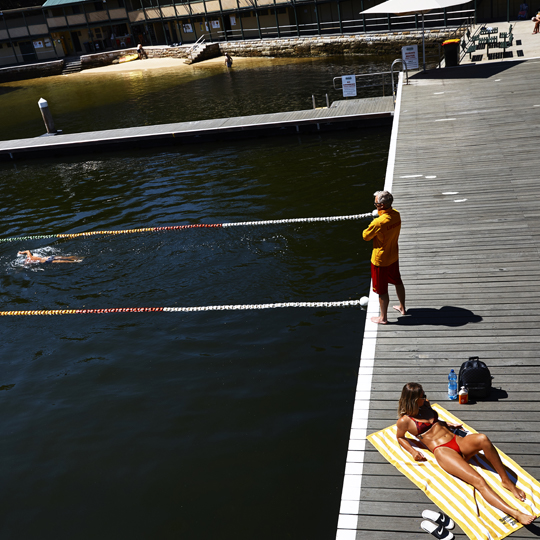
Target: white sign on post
x,y
409,54
349,85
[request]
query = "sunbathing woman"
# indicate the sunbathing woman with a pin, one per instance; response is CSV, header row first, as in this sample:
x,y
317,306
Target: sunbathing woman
x,y
33,259
452,452
536,21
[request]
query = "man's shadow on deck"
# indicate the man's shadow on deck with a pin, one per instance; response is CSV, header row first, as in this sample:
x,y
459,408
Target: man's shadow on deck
x,y
445,316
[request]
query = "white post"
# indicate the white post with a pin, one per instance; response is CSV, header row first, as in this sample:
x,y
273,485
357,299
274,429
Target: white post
x,y
47,116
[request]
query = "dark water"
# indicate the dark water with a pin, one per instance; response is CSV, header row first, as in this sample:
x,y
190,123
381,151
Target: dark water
x,y
230,425
88,102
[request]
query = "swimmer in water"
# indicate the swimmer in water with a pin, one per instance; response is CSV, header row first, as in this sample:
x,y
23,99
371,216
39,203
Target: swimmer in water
x,y
33,259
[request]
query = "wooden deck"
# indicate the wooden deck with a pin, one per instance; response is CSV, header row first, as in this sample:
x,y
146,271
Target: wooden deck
x,y
342,114
466,181
525,44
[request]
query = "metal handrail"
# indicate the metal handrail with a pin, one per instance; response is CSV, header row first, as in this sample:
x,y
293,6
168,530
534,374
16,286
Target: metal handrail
x,y
404,65
379,73
195,46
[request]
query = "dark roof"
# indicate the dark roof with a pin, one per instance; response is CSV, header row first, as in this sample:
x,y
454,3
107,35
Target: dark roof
x,y
6,5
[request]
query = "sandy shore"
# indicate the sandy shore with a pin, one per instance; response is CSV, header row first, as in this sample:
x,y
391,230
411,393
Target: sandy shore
x,y
176,63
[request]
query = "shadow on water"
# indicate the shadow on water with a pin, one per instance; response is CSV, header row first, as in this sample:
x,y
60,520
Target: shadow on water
x,y
8,89
445,316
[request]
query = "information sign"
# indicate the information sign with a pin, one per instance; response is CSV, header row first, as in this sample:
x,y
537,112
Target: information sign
x,y
409,54
349,85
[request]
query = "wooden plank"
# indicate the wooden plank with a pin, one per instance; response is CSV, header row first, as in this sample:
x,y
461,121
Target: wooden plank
x,y
470,270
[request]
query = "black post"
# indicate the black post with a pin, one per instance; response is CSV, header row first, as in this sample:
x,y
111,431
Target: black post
x,y
317,18
207,22
296,19
223,21
277,18
257,16
12,45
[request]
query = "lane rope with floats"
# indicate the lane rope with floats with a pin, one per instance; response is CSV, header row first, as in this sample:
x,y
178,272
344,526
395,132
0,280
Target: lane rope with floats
x,y
197,226
237,307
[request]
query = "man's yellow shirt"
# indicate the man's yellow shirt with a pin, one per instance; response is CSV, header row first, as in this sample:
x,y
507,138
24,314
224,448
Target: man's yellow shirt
x,y
384,231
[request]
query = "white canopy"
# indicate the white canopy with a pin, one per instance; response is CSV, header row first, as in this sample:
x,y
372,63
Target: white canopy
x,y
410,7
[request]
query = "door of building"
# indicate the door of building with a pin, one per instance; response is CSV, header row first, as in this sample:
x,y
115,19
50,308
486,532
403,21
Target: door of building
x,y
76,42
27,50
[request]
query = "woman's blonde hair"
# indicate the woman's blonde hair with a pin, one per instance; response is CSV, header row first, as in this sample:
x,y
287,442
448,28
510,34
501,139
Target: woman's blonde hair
x,y
408,402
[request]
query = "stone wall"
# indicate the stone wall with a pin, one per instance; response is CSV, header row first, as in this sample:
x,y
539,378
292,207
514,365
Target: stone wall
x,y
365,44
31,71
106,58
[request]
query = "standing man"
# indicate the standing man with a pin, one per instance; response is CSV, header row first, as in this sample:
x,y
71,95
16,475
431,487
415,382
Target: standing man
x,y
384,231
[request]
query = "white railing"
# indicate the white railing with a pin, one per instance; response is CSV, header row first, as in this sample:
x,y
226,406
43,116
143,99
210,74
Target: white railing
x,y
197,45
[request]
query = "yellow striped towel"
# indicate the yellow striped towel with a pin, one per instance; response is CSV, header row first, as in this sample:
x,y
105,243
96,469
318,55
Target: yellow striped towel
x,y
477,519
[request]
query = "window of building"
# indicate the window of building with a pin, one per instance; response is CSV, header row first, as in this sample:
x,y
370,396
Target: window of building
x,y
76,10
98,6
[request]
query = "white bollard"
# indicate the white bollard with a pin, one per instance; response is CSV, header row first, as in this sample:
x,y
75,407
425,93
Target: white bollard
x,y
47,116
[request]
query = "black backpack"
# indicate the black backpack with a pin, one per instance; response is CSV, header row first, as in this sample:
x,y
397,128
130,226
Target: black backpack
x,y
475,375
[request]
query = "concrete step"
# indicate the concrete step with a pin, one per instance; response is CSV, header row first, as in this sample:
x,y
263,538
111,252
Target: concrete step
x,y
73,66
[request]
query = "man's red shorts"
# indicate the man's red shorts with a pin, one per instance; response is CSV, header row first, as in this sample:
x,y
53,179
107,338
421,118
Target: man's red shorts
x,y
381,276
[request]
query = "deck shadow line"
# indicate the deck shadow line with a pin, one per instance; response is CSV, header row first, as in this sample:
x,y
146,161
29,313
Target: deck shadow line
x,y
446,316
467,71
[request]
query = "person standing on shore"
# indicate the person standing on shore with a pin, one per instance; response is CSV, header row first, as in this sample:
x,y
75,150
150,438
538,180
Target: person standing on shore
x,y
141,52
228,60
384,231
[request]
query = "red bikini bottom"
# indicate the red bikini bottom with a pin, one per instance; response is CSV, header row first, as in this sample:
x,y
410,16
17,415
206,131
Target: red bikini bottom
x,y
450,444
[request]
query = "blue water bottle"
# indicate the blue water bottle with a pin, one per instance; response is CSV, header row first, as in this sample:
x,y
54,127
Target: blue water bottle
x,y
452,385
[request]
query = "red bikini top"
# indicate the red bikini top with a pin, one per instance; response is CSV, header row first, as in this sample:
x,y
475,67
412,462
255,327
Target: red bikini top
x,y
423,426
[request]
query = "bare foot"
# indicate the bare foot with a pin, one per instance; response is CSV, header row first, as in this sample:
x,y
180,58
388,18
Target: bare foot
x,y
518,493
378,320
524,519
400,309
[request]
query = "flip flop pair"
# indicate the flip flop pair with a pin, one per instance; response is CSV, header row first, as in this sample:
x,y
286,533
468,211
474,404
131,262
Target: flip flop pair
x,y
437,524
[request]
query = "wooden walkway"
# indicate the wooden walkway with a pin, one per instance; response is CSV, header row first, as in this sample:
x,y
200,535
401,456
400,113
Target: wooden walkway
x,y
467,183
525,44
342,114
